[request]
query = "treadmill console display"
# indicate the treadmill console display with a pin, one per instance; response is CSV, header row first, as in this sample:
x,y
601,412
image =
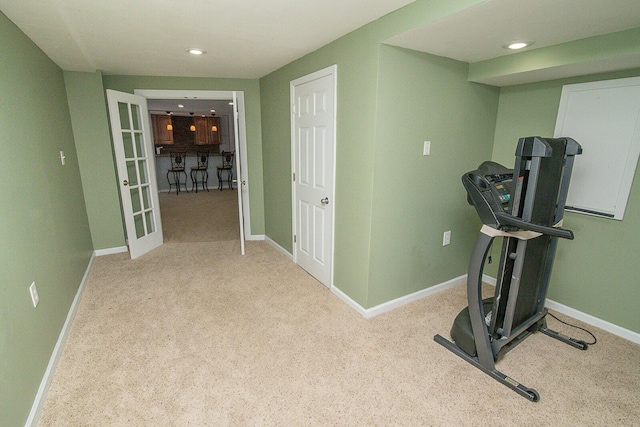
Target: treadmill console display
x,y
501,187
489,190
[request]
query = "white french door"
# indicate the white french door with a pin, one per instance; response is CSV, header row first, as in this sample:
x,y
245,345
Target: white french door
x,y
313,100
133,146
241,184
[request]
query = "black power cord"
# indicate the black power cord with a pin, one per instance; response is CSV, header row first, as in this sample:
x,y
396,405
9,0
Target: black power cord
x,y
595,340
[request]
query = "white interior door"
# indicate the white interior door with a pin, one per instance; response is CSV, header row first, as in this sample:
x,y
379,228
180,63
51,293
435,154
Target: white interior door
x,y
133,146
313,100
240,182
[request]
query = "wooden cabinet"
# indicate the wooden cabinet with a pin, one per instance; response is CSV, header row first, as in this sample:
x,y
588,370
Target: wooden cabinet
x,y
162,129
207,130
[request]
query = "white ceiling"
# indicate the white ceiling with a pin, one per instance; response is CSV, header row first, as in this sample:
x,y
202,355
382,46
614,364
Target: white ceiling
x,y
479,32
197,106
251,38
243,38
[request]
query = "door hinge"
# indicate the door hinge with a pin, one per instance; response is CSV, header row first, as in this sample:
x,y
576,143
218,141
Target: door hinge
x,y
294,177
295,238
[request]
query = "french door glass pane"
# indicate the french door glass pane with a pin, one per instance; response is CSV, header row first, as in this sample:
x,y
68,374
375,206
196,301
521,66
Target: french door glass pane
x,y
150,224
136,203
139,222
131,172
139,144
146,197
135,116
142,168
128,145
124,115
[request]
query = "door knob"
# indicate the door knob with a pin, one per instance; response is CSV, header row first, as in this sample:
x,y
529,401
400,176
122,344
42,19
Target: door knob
x,y
325,201
125,182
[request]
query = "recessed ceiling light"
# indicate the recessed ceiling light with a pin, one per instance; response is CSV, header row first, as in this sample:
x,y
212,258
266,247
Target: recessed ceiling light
x,y
196,51
515,45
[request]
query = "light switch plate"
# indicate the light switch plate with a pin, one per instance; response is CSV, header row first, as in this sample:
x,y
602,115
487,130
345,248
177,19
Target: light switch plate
x,y
427,148
33,291
446,238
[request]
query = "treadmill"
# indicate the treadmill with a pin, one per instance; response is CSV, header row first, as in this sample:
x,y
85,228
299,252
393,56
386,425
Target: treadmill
x,y
525,206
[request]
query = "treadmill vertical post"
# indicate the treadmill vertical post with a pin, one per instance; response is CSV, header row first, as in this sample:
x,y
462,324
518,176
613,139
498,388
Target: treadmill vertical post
x,y
474,298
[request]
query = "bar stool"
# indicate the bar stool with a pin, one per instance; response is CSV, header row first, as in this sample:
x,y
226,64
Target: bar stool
x,y
226,166
177,167
201,169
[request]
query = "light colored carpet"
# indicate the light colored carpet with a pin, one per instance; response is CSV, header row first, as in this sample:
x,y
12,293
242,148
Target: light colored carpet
x,y
203,217
195,334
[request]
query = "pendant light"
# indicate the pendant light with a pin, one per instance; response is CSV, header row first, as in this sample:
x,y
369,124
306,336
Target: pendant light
x,y
214,128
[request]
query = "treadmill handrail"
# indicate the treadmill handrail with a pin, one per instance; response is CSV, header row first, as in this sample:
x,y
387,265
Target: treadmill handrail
x,y
510,220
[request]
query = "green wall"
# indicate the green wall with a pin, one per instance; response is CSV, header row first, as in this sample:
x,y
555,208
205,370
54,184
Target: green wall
x,y
417,198
597,273
389,224
251,90
357,59
354,161
356,100
44,228
95,155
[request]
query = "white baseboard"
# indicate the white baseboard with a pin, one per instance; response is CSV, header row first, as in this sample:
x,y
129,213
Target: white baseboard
x,y
111,251
254,237
398,302
561,308
584,317
279,248
38,403
591,320
347,300
490,280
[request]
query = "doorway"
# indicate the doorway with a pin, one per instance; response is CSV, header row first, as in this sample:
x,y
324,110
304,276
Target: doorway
x,y
229,106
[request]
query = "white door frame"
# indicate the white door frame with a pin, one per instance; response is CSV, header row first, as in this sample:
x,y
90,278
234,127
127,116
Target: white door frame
x,y
333,71
217,95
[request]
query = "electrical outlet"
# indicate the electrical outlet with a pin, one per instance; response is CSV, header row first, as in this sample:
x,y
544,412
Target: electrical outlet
x,y
34,294
427,148
446,238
